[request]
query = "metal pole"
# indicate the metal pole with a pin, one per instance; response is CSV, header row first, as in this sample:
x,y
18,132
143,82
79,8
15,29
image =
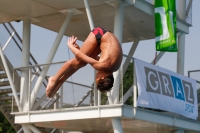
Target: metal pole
x,y
61,96
117,126
25,129
34,129
91,23
50,56
118,30
134,90
25,62
182,9
181,39
131,52
95,92
89,15
181,54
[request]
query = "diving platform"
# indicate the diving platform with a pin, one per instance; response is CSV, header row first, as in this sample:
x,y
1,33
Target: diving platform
x,y
99,119
130,21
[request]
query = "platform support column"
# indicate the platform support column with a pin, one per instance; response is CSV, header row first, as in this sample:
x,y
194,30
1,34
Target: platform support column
x,y
117,126
118,31
25,72
25,62
25,129
91,23
181,39
50,56
181,54
89,15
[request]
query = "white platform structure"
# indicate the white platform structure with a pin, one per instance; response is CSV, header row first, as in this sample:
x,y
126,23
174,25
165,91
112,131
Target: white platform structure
x,y
129,20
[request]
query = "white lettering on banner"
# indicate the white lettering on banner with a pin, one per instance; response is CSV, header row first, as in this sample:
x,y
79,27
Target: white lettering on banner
x,y
156,87
171,20
178,90
189,108
165,35
171,83
190,99
166,84
159,88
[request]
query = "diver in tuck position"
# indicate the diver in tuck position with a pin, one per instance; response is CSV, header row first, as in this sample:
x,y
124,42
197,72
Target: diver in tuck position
x,y
99,41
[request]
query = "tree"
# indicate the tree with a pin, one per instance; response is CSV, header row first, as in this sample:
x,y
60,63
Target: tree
x,y
128,82
5,126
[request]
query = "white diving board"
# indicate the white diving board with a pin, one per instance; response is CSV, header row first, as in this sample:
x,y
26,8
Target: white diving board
x,y
98,119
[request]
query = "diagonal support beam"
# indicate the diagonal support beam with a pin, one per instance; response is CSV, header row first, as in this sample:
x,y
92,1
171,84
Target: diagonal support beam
x,y
131,52
8,73
50,56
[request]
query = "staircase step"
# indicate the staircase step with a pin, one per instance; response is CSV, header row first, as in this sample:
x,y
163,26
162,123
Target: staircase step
x,y
4,91
9,105
3,75
1,68
4,83
8,110
5,98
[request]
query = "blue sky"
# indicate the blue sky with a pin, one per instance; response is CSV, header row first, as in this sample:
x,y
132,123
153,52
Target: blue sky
x,y
42,41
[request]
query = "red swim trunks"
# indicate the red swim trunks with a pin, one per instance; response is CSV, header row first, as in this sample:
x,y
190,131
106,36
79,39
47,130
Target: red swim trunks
x,y
99,32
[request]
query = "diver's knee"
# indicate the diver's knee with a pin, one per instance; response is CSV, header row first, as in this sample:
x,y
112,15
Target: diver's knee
x,y
78,64
82,64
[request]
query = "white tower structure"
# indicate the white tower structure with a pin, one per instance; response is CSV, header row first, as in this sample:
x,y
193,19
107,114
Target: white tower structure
x,y
129,20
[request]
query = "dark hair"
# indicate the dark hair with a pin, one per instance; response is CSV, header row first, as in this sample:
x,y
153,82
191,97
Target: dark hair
x,y
105,84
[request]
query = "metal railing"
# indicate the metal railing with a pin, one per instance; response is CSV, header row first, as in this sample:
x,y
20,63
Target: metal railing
x,y
74,94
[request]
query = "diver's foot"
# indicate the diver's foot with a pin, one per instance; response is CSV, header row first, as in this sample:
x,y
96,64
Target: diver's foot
x,y
50,87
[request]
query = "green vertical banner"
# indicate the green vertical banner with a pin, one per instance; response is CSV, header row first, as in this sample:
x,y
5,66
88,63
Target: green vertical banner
x,y
165,24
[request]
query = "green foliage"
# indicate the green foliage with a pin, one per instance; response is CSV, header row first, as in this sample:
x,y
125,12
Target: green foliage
x,y
128,82
5,126
104,99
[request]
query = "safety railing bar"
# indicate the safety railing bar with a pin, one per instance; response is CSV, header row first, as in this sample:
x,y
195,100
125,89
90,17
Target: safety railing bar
x,y
19,68
198,81
127,94
49,102
128,56
84,97
54,101
40,100
194,71
79,84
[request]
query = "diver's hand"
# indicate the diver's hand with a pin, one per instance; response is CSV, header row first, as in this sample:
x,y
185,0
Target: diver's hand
x,y
72,42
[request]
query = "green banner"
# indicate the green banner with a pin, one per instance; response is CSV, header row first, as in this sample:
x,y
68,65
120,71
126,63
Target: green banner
x,y
165,24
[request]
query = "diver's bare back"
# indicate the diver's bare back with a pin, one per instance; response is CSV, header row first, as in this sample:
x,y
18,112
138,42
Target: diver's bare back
x,y
111,50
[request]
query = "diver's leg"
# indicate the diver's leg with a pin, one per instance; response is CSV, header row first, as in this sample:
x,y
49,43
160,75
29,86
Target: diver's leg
x,y
51,92
89,46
